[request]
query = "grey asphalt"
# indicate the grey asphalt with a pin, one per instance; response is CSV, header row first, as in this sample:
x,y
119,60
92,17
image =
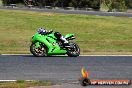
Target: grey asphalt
x,y
117,14
63,68
67,85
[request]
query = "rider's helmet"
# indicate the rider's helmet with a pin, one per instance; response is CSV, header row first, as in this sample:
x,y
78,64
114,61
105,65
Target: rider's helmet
x,y
41,31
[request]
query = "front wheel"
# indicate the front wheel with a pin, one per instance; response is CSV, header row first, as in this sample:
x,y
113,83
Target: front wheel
x,y
38,52
74,50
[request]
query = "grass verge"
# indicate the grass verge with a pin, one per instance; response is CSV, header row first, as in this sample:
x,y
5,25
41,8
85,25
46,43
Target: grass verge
x,y
23,84
93,33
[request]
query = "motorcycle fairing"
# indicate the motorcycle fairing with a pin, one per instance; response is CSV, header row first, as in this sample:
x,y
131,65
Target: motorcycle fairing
x,y
50,42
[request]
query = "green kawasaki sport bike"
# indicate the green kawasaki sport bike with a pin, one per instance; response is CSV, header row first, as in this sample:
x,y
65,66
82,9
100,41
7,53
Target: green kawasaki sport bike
x,y
48,44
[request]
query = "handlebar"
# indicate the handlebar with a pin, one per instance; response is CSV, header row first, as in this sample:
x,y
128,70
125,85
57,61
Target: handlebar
x,y
50,32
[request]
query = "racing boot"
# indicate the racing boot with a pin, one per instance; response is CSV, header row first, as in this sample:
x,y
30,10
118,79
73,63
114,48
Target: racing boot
x,y
64,42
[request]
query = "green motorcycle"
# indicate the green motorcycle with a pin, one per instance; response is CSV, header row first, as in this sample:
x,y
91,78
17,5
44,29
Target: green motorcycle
x,y
47,45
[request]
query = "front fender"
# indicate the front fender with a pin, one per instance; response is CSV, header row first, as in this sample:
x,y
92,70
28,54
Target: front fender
x,y
37,44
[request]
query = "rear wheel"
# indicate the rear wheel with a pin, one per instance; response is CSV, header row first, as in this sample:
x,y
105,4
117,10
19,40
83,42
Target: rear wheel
x,y
74,50
39,52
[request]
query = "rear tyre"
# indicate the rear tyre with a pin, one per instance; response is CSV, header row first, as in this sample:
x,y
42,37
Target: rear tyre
x,y
38,52
73,51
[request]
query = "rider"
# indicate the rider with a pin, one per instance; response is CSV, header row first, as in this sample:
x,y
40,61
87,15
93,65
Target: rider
x,y
57,35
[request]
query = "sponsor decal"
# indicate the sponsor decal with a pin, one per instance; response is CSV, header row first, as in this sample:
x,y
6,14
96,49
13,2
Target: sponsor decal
x,y
84,80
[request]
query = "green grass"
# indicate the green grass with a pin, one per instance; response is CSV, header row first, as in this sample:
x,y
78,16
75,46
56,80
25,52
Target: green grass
x,y
0,2
93,33
23,84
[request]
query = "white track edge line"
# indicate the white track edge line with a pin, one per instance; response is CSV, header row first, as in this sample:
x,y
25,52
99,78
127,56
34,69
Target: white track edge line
x,y
12,80
65,55
105,55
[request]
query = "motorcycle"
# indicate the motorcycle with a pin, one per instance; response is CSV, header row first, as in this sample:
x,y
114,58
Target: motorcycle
x,y
47,45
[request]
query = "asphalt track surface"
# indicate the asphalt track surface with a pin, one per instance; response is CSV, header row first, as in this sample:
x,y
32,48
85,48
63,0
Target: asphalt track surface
x,y
63,68
117,14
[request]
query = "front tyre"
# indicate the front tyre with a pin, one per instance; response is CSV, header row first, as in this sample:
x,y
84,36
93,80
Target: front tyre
x,y
74,50
38,52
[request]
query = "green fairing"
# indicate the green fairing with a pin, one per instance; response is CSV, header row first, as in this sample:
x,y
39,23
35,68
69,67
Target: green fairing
x,y
49,41
68,35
